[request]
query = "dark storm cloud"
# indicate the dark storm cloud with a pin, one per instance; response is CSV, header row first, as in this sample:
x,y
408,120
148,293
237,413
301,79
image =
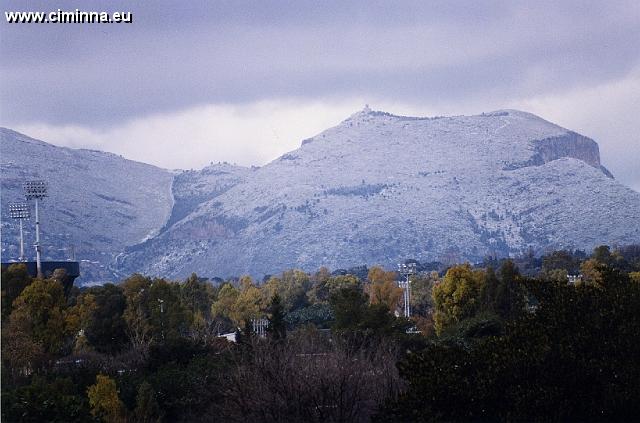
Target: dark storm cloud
x,y
178,58
178,54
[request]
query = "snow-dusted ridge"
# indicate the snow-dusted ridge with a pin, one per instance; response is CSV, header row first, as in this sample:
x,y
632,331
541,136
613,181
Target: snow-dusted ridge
x,y
98,202
378,188
375,189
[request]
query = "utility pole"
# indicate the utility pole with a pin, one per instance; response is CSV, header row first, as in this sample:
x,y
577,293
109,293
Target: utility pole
x,y
20,211
36,190
161,301
406,270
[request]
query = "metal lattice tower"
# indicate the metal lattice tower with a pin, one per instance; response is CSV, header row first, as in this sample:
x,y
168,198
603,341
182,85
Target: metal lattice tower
x,y
406,270
20,211
36,190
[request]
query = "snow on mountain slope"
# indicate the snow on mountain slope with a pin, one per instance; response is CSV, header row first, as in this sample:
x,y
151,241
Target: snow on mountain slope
x,y
191,188
98,202
380,188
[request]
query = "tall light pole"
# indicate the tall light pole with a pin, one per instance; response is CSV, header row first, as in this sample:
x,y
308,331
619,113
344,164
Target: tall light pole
x,y
161,301
36,190
20,211
406,270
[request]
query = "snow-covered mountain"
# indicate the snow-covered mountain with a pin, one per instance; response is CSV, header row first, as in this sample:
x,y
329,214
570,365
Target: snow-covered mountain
x,y
376,189
380,188
98,203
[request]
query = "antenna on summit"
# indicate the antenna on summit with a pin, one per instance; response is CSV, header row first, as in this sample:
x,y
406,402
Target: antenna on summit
x,y
366,108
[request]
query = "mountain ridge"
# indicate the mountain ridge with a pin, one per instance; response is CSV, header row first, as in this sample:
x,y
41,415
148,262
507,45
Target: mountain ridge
x,y
376,189
98,202
287,193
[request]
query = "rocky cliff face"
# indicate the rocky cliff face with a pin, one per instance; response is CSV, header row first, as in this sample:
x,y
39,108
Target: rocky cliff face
x,y
380,188
569,144
192,188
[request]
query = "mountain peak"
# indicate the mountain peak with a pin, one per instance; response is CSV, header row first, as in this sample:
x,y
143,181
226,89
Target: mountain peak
x,y
379,188
366,111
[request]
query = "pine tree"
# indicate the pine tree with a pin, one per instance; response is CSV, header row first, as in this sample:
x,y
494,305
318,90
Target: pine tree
x,y
277,328
509,299
491,285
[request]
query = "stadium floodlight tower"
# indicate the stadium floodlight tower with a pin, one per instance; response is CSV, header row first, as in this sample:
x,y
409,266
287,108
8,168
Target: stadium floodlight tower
x,y
20,211
406,270
36,190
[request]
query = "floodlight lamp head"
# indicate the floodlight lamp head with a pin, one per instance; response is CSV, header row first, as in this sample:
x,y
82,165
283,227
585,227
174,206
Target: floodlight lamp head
x,y
407,268
19,211
35,189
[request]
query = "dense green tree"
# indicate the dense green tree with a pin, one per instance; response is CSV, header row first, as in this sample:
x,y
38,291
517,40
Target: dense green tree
x,y
106,328
224,305
188,379
509,299
248,305
421,293
378,320
323,289
354,314
569,359
631,255
602,254
78,317
136,315
591,272
458,296
44,401
318,314
291,286
14,279
104,401
154,311
197,296
21,353
440,387
168,317
348,305
277,328
560,260
490,290
239,305
147,408
38,313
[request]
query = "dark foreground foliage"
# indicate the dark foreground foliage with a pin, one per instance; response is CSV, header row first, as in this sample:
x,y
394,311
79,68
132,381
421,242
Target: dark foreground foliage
x,y
574,358
492,345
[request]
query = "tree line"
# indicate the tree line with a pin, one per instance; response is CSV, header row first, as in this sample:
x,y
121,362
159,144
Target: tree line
x,y
484,342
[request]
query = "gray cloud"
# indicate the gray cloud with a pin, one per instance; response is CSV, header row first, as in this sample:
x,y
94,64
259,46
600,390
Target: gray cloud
x,y
440,57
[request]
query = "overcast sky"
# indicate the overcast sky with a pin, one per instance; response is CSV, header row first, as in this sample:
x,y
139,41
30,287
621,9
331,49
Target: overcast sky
x,y
193,82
